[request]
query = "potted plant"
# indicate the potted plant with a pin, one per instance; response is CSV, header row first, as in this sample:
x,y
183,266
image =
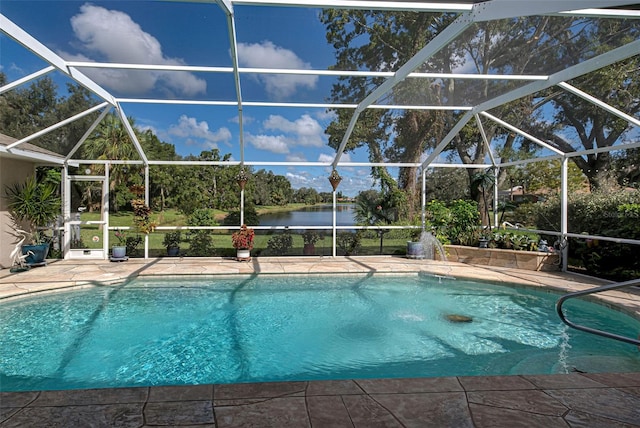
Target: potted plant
x,y
119,252
35,206
310,237
172,242
415,249
242,241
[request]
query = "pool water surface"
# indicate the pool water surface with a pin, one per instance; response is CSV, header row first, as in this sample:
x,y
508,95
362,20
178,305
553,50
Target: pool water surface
x,y
272,328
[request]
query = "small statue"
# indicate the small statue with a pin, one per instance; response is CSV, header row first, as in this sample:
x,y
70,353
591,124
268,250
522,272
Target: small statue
x,y
543,246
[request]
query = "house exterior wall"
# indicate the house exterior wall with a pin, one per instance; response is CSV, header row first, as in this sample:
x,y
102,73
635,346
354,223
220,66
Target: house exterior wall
x,y
11,171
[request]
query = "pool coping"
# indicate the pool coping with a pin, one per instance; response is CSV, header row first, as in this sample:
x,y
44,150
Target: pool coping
x,y
77,274
575,399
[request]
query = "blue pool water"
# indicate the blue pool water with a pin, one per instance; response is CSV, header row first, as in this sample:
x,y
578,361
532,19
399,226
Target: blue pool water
x,y
269,328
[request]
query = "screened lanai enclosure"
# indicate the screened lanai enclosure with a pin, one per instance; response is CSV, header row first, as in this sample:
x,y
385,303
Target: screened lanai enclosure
x,y
229,105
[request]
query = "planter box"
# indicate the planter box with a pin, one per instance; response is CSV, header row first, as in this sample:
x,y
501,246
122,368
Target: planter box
x,y
529,260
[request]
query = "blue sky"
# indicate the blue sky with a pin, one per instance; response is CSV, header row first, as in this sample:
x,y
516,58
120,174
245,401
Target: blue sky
x,y
196,34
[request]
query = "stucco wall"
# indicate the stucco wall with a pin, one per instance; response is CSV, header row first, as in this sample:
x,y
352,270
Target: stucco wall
x,y
11,171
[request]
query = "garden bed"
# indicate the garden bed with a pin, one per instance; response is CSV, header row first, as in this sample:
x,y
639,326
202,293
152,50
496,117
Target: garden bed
x,y
529,260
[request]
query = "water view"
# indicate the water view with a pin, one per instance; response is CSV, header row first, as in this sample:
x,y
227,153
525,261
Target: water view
x,y
316,215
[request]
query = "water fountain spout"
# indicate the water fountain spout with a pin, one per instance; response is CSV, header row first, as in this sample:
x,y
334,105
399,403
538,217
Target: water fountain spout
x,y
430,245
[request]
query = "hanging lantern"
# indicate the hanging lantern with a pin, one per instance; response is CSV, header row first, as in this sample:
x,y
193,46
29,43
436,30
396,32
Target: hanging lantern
x,y
242,178
335,179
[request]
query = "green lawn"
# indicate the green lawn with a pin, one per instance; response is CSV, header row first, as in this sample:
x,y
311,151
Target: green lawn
x,y
394,243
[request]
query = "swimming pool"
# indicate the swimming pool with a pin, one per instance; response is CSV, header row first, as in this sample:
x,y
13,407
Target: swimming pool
x,y
271,328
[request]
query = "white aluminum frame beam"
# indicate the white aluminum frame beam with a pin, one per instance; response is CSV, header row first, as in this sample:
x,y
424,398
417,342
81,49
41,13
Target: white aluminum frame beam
x,y
132,135
599,103
595,63
522,133
423,6
29,42
600,61
88,132
443,38
32,76
57,125
501,9
301,71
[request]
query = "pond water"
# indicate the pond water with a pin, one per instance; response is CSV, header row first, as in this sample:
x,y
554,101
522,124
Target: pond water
x,y
316,215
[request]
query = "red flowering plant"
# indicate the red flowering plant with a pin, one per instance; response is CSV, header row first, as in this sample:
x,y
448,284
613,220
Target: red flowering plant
x,y
243,238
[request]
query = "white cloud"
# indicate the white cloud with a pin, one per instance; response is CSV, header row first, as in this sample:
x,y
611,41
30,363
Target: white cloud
x,y
112,36
306,130
323,157
296,157
297,178
268,55
190,128
271,143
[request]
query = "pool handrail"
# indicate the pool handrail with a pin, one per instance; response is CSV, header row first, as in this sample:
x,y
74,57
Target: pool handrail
x,y
608,287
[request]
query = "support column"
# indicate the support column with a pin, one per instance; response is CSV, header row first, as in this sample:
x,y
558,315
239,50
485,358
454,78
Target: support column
x,y
334,252
496,172
564,223
424,198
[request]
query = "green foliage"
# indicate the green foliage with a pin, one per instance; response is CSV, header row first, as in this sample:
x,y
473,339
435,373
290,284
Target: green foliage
x,y
35,203
463,226
312,236
132,244
611,214
250,217
172,239
200,241
349,242
280,244
514,240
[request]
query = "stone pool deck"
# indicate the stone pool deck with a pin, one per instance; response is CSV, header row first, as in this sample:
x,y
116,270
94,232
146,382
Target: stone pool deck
x,y
567,400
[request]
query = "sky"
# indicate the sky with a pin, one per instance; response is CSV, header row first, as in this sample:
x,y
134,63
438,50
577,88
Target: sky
x,y
171,33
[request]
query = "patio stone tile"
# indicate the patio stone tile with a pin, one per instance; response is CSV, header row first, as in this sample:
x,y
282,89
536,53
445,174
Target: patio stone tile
x,y
585,420
17,399
604,402
333,387
533,401
562,381
631,390
494,383
393,386
328,411
180,393
120,415
365,412
491,417
615,380
273,413
438,409
7,412
91,396
179,413
258,390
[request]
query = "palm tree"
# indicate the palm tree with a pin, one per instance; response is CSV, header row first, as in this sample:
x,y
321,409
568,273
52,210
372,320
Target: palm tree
x,y
484,182
110,141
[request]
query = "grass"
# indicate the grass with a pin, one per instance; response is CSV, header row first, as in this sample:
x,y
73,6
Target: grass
x,y
91,237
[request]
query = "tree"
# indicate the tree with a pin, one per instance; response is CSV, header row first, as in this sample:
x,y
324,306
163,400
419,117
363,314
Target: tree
x,y
381,40
110,141
582,125
24,111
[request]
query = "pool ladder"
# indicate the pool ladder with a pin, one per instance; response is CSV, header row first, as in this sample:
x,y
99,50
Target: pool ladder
x,y
600,289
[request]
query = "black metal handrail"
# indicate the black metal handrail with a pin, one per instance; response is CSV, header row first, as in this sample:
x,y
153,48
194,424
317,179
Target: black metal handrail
x,y
600,289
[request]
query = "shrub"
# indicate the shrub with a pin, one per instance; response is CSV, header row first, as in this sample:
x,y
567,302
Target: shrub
x,y
200,241
349,242
612,214
280,244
